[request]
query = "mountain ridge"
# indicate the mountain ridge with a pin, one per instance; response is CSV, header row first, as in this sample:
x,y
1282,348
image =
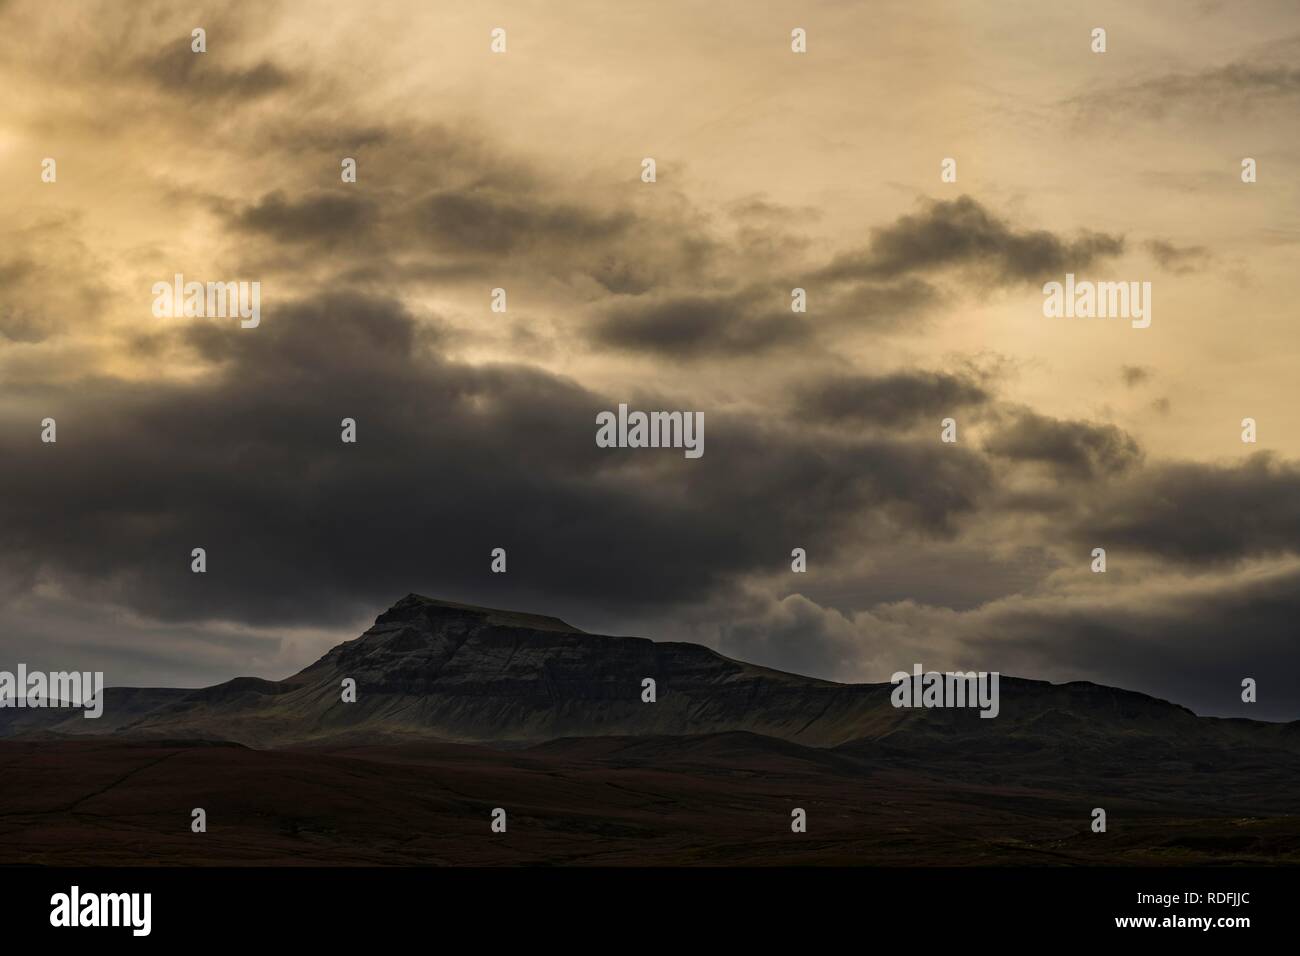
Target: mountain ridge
x,y
459,673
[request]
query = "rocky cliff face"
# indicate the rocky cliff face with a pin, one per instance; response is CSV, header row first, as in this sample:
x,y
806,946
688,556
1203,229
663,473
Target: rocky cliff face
x,y
436,670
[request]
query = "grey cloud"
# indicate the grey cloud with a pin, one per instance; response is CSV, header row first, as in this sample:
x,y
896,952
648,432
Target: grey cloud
x,y
962,233
697,326
1192,645
755,320
1189,641
1179,260
484,205
1134,375
899,399
313,218
1071,449
1203,513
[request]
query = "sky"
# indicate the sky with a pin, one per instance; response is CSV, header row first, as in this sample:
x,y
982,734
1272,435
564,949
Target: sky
x,y
775,170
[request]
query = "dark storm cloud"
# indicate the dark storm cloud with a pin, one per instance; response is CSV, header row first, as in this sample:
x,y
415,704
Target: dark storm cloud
x,y
1192,645
1070,449
651,275
665,268
900,399
1179,260
452,461
794,635
699,326
1203,513
962,233
756,320
312,218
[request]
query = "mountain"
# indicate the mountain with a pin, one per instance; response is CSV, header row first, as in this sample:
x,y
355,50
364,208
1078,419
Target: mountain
x,y
440,671
462,709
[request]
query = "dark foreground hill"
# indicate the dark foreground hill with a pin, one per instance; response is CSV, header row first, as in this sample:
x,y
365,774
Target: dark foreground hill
x,y
719,799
